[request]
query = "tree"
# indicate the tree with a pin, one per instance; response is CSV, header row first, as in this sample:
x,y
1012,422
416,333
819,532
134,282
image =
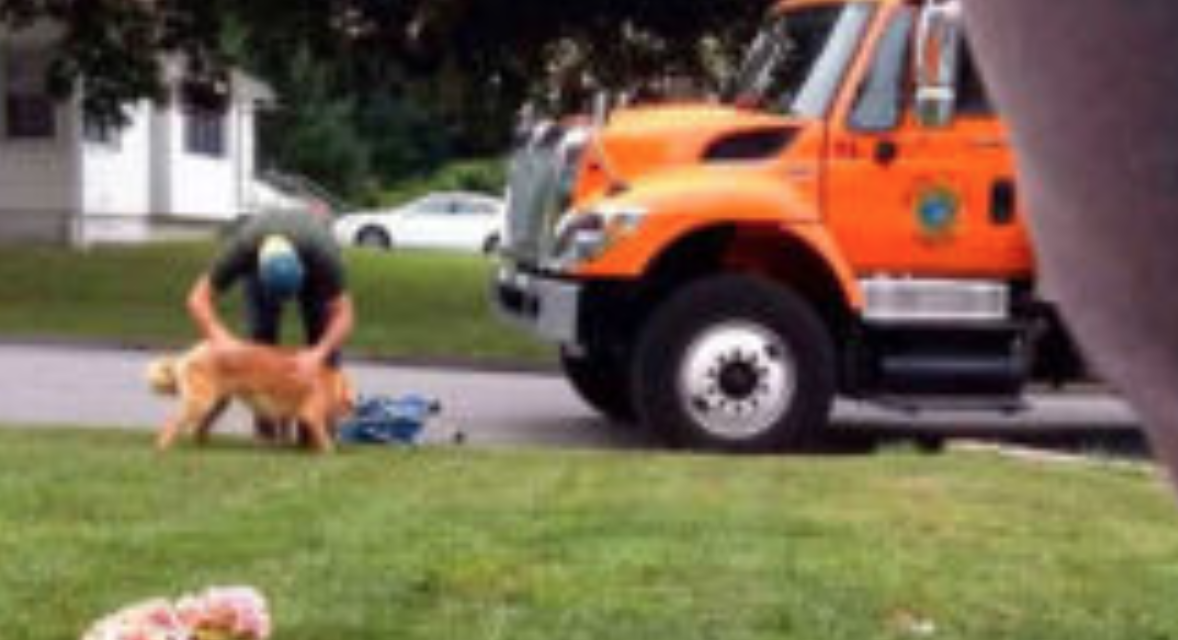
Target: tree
x,y
380,89
496,52
316,137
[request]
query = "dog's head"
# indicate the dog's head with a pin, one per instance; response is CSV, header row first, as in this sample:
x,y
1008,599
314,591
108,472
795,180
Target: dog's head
x,y
162,376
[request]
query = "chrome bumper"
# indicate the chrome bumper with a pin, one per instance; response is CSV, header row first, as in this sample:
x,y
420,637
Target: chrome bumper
x,y
544,306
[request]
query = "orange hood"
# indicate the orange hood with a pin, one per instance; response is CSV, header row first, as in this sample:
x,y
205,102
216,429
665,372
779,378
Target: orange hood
x,y
644,140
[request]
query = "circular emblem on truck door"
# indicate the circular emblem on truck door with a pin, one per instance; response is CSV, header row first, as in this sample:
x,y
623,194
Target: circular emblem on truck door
x,y
937,210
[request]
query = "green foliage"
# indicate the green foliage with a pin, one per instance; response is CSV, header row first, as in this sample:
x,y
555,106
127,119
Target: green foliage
x,y
402,139
349,141
444,544
374,92
470,63
317,138
480,176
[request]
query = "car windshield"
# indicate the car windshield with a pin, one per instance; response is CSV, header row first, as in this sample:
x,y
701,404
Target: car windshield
x,y
432,205
796,63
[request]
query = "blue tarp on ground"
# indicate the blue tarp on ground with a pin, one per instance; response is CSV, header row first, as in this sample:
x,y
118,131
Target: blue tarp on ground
x,y
388,420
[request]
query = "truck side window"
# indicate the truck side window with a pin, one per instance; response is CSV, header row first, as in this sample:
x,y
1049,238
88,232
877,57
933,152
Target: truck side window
x,y
972,97
880,102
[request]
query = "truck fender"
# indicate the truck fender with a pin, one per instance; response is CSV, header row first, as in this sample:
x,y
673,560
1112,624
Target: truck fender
x,y
683,205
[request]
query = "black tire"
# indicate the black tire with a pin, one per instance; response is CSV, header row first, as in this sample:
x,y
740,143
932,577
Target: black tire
x,y
602,382
711,357
491,244
374,238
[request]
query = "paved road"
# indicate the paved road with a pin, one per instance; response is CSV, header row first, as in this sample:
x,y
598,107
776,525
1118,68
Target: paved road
x,y
94,387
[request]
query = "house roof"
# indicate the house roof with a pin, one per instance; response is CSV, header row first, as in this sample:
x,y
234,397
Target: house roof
x,y
252,89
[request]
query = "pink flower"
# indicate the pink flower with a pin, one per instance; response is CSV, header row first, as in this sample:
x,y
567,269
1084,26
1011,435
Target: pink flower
x,y
235,613
227,613
152,620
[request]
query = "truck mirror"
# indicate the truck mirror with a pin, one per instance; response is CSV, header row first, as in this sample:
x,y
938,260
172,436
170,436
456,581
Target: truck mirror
x,y
601,108
938,51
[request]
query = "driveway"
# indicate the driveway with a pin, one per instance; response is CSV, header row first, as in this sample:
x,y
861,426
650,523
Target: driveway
x,y
102,388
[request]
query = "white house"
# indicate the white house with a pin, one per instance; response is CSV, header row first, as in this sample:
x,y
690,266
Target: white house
x,y
183,165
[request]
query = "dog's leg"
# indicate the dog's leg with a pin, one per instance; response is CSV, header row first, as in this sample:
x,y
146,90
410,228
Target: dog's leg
x,y
314,423
314,419
203,428
320,436
167,436
190,415
303,434
193,414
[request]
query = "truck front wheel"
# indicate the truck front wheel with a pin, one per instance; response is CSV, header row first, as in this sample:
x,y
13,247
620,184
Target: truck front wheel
x,y
738,364
602,382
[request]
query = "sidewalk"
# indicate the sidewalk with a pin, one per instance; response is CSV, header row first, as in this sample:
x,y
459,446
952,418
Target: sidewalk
x,y
47,385
63,385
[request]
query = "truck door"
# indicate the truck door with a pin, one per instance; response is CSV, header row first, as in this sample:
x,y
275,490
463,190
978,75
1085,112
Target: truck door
x,y
907,199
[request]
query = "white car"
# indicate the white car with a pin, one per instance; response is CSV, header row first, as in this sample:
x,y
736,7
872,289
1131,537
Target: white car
x,y
456,221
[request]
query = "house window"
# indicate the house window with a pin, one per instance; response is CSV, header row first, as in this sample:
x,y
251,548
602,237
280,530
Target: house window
x,y
98,132
205,116
29,111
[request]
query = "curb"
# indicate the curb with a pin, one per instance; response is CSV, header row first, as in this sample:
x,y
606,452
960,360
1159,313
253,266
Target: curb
x,y
440,363
1046,457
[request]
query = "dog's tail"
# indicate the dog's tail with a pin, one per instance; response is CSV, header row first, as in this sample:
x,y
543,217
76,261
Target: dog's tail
x,y
343,397
162,376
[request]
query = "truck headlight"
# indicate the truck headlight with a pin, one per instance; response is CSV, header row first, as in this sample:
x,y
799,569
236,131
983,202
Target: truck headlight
x,y
584,236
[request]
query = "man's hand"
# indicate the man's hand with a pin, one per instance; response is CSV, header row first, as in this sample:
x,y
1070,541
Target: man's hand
x,y
226,342
340,320
307,365
203,310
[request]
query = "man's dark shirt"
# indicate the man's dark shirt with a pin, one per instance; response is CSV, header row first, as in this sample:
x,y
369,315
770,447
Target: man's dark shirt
x,y
317,249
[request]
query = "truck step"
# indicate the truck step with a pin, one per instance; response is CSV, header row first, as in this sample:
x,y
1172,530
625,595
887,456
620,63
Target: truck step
x,y
1005,404
942,374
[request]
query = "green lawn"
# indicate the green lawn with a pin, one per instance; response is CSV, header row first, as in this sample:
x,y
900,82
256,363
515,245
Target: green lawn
x,y
461,544
415,305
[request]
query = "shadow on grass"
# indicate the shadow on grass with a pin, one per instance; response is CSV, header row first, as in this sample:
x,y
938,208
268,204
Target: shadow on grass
x,y
862,441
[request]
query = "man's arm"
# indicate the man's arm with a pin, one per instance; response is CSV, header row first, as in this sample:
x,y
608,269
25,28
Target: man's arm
x,y
341,318
203,309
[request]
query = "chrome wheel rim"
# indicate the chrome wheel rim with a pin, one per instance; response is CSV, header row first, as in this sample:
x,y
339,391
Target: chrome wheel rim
x,y
737,380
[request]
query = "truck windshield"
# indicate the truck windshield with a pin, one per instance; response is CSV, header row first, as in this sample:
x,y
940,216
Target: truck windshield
x,y
797,62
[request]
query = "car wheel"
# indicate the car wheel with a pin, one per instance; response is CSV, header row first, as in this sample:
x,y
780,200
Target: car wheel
x,y
491,244
374,238
736,364
602,381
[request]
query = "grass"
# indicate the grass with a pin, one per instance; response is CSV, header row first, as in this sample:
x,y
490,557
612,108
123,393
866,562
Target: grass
x,y
446,544
415,305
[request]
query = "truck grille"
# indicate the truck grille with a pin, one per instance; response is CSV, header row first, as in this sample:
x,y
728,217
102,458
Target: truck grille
x,y
542,169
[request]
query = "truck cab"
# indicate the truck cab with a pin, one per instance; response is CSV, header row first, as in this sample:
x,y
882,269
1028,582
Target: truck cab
x,y
844,222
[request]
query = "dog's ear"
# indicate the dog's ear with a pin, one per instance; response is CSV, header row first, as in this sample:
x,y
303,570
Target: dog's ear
x,y
161,375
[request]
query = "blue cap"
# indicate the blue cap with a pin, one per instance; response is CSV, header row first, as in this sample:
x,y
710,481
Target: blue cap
x,y
280,271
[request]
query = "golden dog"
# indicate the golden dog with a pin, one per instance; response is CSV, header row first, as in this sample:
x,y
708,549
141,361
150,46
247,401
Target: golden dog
x,y
260,376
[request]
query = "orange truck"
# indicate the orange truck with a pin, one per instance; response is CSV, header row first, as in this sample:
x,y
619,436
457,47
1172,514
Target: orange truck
x,y
845,222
